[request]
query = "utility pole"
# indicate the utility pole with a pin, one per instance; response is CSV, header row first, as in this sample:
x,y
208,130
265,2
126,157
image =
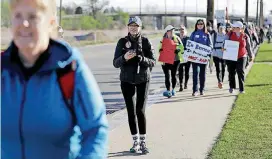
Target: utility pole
x,y
261,19
246,18
140,8
210,10
257,14
165,20
60,12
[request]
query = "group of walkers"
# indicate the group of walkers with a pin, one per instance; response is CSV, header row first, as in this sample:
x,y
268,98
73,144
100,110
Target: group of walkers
x,y
135,57
47,89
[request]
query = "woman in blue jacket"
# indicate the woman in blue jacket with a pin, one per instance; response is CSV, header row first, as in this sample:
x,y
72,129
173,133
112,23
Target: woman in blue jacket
x,y
200,35
37,118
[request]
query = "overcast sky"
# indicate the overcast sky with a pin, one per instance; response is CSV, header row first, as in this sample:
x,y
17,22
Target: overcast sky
x,y
237,6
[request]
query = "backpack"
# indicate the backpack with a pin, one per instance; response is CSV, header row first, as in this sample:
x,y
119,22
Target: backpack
x,y
66,79
214,38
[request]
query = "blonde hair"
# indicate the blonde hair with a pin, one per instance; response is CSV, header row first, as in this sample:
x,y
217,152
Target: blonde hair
x,y
185,30
48,6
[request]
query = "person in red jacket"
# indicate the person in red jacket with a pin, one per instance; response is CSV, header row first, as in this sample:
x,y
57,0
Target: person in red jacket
x,y
238,66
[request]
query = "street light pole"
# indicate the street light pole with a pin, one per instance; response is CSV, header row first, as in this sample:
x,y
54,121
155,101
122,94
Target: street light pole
x,y
257,14
140,8
60,12
261,19
165,13
246,18
210,10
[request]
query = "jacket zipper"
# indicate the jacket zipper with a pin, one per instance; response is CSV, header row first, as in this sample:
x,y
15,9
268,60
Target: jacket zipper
x,y
22,140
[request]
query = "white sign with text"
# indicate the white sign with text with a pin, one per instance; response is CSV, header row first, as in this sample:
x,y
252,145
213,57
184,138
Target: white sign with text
x,y
197,53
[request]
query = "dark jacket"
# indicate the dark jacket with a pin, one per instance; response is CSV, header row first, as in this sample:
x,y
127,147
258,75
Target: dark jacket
x,y
129,68
184,41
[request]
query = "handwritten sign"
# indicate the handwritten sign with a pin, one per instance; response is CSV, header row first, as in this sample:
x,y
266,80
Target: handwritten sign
x,y
197,53
231,50
167,55
220,16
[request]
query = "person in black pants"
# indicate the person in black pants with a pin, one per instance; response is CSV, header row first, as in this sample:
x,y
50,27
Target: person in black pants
x,y
220,64
134,54
173,68
244,50
184,67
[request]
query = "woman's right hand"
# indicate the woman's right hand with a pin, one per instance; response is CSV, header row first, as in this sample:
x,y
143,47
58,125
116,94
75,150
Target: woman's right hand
x,y
129,55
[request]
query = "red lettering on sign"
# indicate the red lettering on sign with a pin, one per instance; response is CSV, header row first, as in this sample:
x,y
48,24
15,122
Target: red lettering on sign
x,y
192,57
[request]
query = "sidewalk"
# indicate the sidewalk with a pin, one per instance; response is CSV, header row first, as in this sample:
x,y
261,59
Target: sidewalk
x,y
182,127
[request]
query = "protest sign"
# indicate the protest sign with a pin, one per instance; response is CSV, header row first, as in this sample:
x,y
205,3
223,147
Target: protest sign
x,y
231,50
197,53
220,16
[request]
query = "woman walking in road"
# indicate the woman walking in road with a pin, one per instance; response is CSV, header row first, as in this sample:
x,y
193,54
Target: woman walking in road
x,y
173,68
184,67
134,55
200,35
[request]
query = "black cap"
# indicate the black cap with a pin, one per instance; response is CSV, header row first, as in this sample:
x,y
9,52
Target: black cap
x,y
135,20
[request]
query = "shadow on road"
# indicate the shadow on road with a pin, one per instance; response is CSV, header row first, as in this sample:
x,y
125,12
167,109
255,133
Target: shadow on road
x,y
187,98
111,93
123,153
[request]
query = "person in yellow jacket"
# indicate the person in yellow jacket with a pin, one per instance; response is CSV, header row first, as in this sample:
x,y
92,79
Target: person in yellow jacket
x,y
171,67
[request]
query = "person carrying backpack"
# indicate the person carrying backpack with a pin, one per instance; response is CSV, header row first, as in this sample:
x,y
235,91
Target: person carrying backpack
x,y
134,55
220,64
173,68
244,51
202,36
47,89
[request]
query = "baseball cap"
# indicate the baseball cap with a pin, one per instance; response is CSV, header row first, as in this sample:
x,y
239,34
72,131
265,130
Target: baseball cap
x,y
168,28
135,20
238,24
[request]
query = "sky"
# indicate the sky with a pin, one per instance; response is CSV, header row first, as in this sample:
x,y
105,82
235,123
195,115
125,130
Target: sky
x,y
236,6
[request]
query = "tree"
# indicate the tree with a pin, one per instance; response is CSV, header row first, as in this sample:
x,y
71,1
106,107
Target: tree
x,y
97,6
79,10
5,14
69,10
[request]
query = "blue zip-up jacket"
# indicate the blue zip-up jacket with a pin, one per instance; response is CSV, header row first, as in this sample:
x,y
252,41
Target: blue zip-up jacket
x,y
201,37
36,123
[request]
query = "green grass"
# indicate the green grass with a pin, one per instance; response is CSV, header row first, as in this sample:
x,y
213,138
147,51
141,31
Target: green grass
x,y
265,53
247,133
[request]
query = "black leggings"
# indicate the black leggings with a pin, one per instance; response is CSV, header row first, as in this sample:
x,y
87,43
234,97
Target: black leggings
x,y
136,113
184,69
220,65
239,68
173,68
